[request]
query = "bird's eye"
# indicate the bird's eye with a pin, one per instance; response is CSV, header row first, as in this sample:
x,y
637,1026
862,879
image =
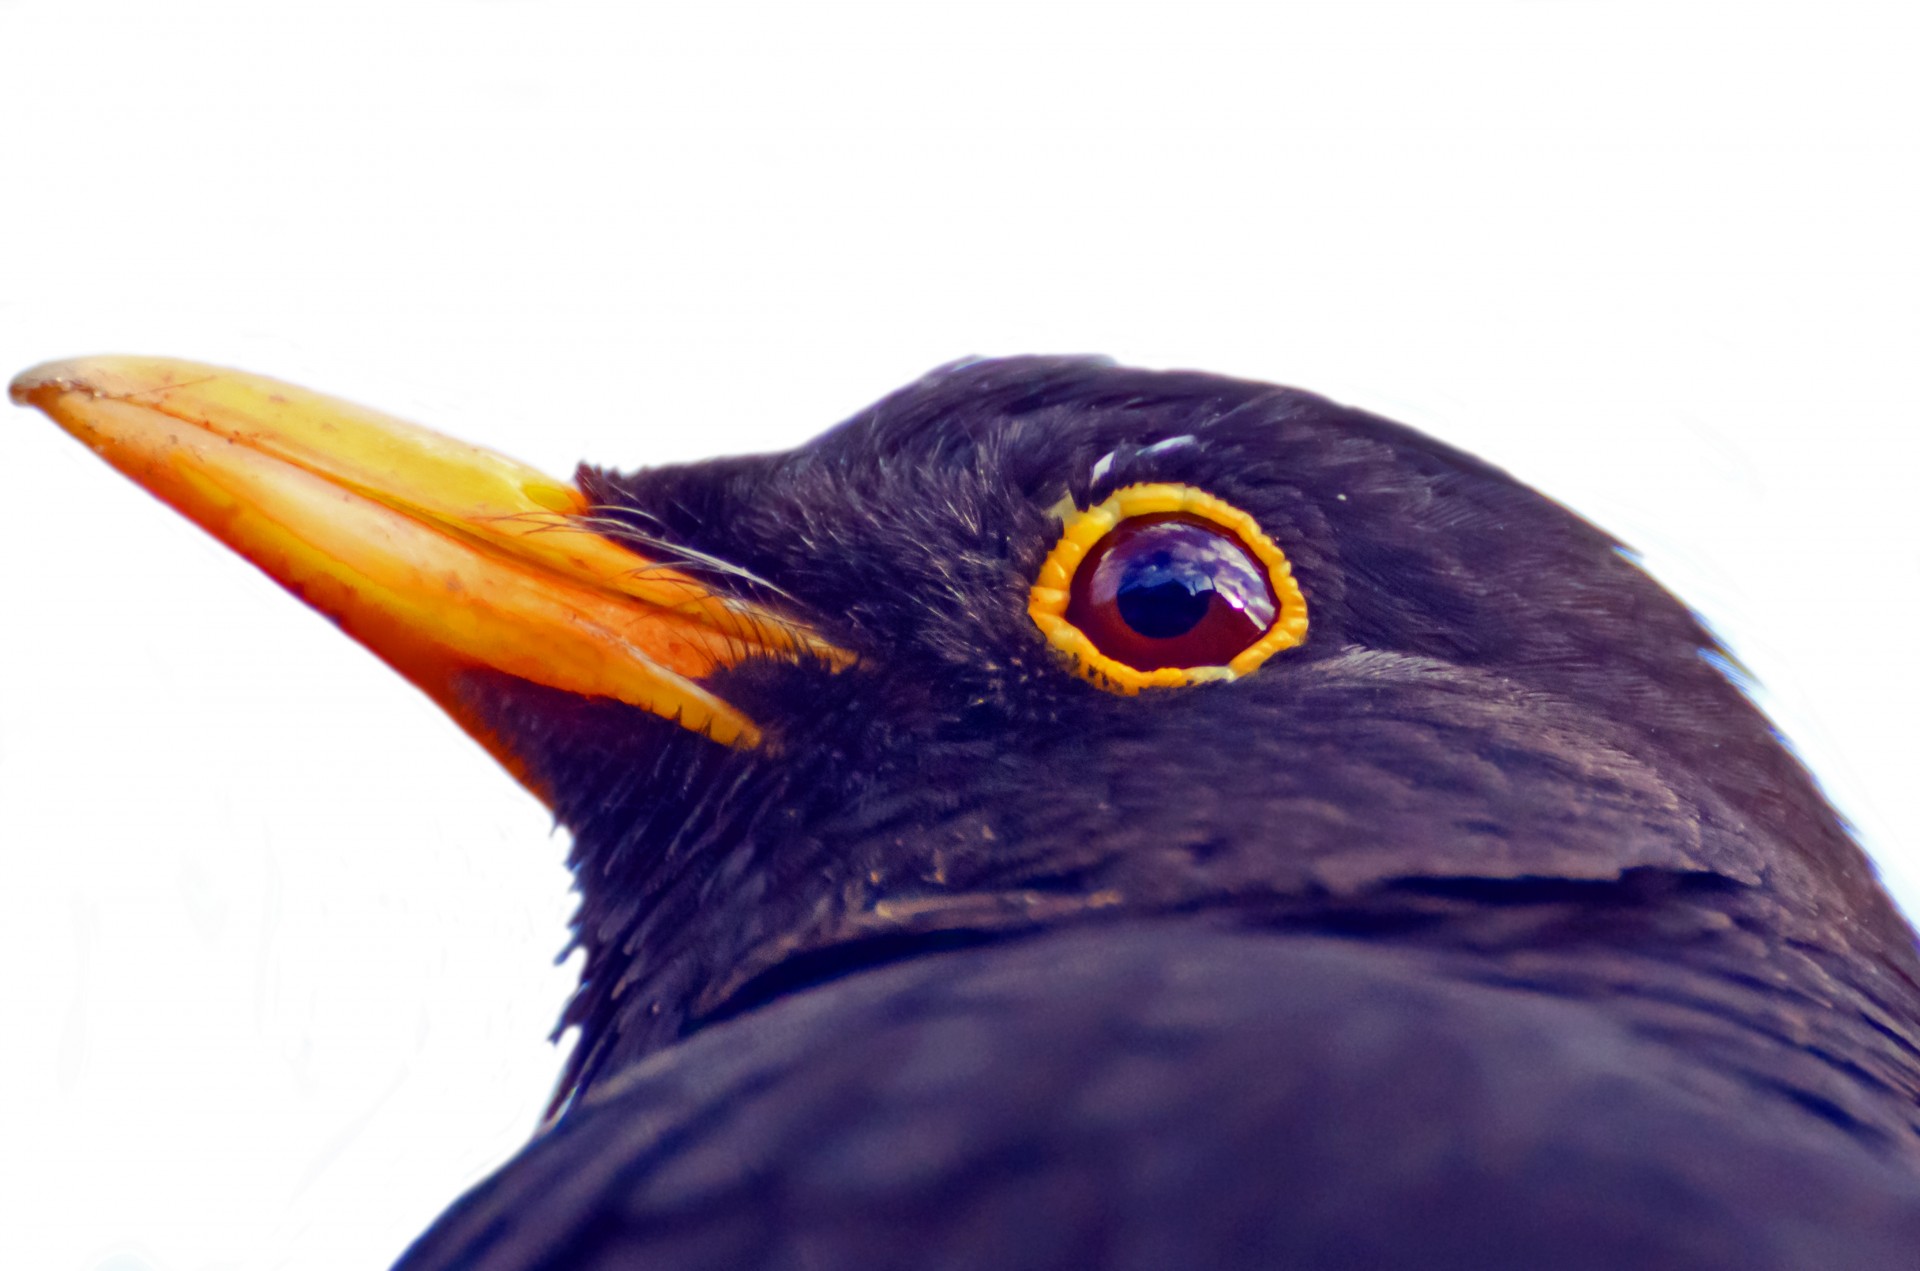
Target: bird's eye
x,y
1163,585
1171,590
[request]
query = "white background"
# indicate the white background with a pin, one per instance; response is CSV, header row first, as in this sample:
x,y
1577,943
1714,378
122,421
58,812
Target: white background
x,y
276,939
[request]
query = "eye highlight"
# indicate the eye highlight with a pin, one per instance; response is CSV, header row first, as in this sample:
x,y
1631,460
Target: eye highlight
x,y
1163,585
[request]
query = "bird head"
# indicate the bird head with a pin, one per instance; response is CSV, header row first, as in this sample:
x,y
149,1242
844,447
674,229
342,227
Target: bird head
x,y
808,711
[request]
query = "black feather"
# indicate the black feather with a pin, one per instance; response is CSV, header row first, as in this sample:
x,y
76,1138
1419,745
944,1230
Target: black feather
x,y
1491,927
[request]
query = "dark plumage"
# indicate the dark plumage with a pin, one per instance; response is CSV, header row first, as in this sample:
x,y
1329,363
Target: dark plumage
x,y
1491,927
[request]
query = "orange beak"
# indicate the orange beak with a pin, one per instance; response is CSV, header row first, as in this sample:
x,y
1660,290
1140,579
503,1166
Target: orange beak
x,y
441,557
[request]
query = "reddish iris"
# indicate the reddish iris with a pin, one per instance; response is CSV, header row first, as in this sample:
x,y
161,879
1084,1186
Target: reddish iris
x,y
1171,590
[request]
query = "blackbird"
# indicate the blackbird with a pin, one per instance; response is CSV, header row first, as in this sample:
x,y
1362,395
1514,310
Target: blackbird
x,y
1076,816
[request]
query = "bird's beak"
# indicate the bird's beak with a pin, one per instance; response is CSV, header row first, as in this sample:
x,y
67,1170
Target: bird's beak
x,y
441,557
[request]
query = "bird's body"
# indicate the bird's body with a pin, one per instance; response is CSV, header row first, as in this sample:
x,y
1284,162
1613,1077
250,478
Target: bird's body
x,y
1486,925
1200,1093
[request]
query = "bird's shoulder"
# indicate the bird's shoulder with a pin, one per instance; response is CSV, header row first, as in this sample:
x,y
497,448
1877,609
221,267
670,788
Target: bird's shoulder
x,y
1140,1094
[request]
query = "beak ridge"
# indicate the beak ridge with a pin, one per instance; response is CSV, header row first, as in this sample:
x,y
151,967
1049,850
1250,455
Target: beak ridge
x,y
440,556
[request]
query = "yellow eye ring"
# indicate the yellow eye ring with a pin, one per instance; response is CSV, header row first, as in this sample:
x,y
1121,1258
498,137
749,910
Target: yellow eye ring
x,y
1083,530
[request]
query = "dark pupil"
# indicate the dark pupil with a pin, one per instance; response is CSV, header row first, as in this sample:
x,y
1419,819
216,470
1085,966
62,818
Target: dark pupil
x,y
1161,597
1171,590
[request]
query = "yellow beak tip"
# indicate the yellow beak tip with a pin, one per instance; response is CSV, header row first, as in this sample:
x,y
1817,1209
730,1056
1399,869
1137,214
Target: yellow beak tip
x,y
102,376
35,379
